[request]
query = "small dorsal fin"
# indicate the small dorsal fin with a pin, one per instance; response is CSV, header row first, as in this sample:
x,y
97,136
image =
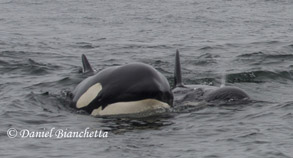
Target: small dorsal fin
x,y
177,72
86,65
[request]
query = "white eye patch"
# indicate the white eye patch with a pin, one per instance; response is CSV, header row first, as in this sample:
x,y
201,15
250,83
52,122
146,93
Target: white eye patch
x,y
87,97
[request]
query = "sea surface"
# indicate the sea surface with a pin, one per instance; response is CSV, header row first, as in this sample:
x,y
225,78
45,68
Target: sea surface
x,y
242,43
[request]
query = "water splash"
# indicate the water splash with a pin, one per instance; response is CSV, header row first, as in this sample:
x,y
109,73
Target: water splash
x,y
223,80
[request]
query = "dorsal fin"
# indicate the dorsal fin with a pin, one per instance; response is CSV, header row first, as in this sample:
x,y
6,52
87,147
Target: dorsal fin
x,y
177,72
86,67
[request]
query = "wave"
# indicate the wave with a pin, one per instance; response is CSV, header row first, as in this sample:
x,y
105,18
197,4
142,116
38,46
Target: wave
x,y
202,60
14,54
49,102
276,55
259,76
3,63
27,67
287,106
66,81
85,45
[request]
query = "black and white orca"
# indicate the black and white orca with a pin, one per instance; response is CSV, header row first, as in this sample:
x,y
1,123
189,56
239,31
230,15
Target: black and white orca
x,y
204,93
122,90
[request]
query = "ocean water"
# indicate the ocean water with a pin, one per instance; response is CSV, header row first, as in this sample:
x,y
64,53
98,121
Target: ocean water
x,y
249,42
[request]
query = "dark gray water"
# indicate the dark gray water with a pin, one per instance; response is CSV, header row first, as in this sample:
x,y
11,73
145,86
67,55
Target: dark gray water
x,y
250,41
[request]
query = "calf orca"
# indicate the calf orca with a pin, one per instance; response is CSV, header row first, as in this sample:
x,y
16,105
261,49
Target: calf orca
x,y
121,90
209,94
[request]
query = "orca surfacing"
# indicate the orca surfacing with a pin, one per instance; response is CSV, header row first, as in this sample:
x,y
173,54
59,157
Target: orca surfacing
x,y
199,93
121,90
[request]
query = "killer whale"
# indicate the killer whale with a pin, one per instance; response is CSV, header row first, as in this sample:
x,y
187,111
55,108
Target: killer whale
x,y
121,90
203,93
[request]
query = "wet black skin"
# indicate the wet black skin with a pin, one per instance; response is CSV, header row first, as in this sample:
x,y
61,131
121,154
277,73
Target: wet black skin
x,y
131,82
212,94
227,93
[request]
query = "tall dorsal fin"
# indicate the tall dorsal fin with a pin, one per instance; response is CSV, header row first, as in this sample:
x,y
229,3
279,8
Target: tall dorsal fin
x,y
86,66
177,72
